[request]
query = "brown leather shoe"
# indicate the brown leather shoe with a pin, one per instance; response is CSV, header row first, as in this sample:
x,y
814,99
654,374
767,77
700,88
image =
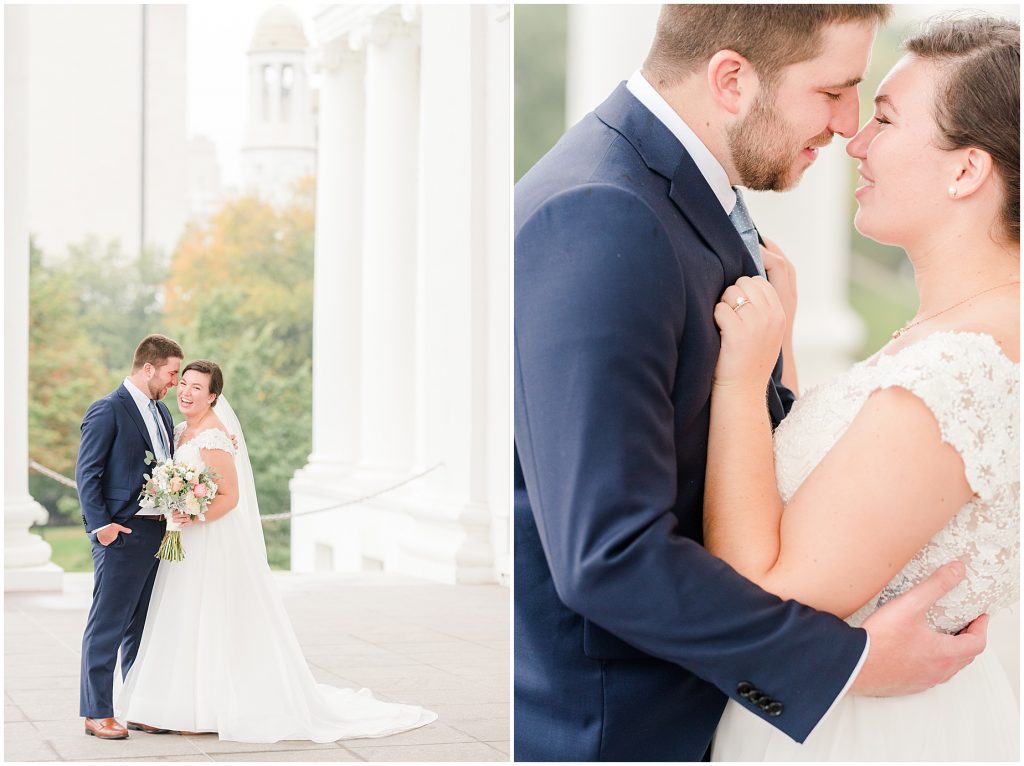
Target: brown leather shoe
x,y
105,728
147,728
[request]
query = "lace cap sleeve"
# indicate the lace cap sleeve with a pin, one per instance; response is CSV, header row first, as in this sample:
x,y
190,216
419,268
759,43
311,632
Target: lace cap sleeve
x,y
972,389
214,438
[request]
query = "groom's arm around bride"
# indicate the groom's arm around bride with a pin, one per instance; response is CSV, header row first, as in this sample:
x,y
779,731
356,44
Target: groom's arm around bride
x,y
628,634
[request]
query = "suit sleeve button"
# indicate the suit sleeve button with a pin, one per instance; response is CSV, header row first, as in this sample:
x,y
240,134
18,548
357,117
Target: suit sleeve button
x,y
775,708
744,688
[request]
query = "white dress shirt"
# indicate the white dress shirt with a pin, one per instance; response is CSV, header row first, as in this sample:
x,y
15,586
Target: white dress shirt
x,y
142,402
706,162
718,180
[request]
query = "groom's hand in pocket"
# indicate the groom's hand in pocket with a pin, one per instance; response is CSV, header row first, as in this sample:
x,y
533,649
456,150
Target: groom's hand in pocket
x,y
906,656
108,534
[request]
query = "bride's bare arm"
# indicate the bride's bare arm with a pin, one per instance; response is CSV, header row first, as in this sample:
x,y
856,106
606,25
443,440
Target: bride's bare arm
x,y
883,490
223,464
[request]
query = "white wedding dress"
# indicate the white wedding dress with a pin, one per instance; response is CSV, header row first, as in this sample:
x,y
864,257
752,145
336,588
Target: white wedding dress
x,y
973,391
219,654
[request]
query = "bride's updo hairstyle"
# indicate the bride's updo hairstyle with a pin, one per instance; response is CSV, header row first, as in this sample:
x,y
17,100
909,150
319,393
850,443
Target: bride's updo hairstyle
x,y
978,98
211,369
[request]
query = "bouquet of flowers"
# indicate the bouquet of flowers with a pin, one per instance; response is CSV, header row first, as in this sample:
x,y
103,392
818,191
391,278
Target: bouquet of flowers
x,y
177,487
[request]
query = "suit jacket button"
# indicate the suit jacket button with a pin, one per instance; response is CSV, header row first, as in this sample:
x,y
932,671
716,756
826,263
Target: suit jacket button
x,y
744,688
775,708
756,696
765,703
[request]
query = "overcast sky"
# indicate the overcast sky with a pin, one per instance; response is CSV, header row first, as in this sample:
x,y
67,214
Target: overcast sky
x,y
218,99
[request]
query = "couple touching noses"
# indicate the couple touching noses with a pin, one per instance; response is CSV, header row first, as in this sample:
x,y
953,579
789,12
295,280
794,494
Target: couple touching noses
x,y
688,532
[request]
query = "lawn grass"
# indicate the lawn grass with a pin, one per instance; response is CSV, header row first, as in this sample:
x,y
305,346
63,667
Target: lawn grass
x,y
72,550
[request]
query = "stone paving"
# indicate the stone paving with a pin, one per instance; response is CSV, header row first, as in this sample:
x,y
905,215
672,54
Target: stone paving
x,y
441,646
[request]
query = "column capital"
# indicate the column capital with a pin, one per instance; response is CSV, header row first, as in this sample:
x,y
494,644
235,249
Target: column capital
x,y
394,22
339,53
501,13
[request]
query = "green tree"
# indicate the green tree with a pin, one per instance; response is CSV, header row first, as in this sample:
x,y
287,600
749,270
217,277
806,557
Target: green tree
x,y
240,292
120,299
66,374
540,46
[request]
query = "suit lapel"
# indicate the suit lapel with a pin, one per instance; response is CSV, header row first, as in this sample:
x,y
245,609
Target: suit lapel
x,y
689,192
133,412
695,199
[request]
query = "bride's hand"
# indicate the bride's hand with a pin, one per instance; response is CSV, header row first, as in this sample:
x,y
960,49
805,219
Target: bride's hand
x,y
182,519
751,333
781,276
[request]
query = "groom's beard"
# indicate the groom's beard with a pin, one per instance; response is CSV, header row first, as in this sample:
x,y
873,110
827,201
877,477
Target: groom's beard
x,y
156,393
764,148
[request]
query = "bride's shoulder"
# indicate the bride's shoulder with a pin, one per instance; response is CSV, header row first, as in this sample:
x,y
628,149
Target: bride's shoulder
x,y
215,437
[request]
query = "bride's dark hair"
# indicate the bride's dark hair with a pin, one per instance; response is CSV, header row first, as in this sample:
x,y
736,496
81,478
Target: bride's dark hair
x,y
978,99
211,369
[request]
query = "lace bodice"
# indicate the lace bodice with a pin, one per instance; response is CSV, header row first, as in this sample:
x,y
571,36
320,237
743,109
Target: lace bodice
x,y
972,389
211,438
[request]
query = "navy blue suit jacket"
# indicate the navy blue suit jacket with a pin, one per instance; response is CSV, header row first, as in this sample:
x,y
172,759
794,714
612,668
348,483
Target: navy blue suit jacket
x,y
628,634
111,467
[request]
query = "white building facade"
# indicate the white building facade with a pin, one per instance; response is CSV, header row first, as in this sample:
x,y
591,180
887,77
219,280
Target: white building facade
x,y
27,564
107,147
280,143
412,296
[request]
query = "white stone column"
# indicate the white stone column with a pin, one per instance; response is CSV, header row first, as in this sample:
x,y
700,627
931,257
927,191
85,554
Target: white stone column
x,y
450,537
605,45
811,224
337,300
389,251
255,93
274,92
27,564
499,281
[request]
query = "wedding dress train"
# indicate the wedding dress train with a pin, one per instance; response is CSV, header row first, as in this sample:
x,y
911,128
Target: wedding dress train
x,y
219,654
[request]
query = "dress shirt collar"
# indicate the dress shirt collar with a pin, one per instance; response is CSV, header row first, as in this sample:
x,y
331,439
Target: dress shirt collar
x,y
140,398
705,161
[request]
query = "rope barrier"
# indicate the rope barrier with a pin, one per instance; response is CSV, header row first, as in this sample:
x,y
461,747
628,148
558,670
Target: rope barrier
x,y
50,473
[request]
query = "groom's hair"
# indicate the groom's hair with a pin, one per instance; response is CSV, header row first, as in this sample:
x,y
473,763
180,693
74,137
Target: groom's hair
x,y
770,37
155,350
978,94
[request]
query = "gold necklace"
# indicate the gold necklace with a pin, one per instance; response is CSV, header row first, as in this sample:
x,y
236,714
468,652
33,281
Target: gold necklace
x,y
906,327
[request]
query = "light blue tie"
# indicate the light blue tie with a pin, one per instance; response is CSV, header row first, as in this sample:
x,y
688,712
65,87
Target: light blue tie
x,y
159,430
740,218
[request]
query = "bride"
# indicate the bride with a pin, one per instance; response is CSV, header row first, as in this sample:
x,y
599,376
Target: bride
x,y
218,653
911,458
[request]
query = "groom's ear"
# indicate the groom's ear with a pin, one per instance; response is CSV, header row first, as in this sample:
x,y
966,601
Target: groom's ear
x,y
972,171
731,81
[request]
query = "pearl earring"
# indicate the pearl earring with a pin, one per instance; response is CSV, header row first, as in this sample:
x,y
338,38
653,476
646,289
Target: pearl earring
x,y
952,192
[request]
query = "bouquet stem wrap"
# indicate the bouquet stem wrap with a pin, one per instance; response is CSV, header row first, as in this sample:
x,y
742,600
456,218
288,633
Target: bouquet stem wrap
x,y
171,548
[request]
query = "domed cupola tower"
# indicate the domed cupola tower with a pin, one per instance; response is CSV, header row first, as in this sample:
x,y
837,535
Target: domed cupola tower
x,y
280,143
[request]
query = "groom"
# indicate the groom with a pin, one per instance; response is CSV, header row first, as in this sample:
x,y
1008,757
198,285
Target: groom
x,y
117,431
629,636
